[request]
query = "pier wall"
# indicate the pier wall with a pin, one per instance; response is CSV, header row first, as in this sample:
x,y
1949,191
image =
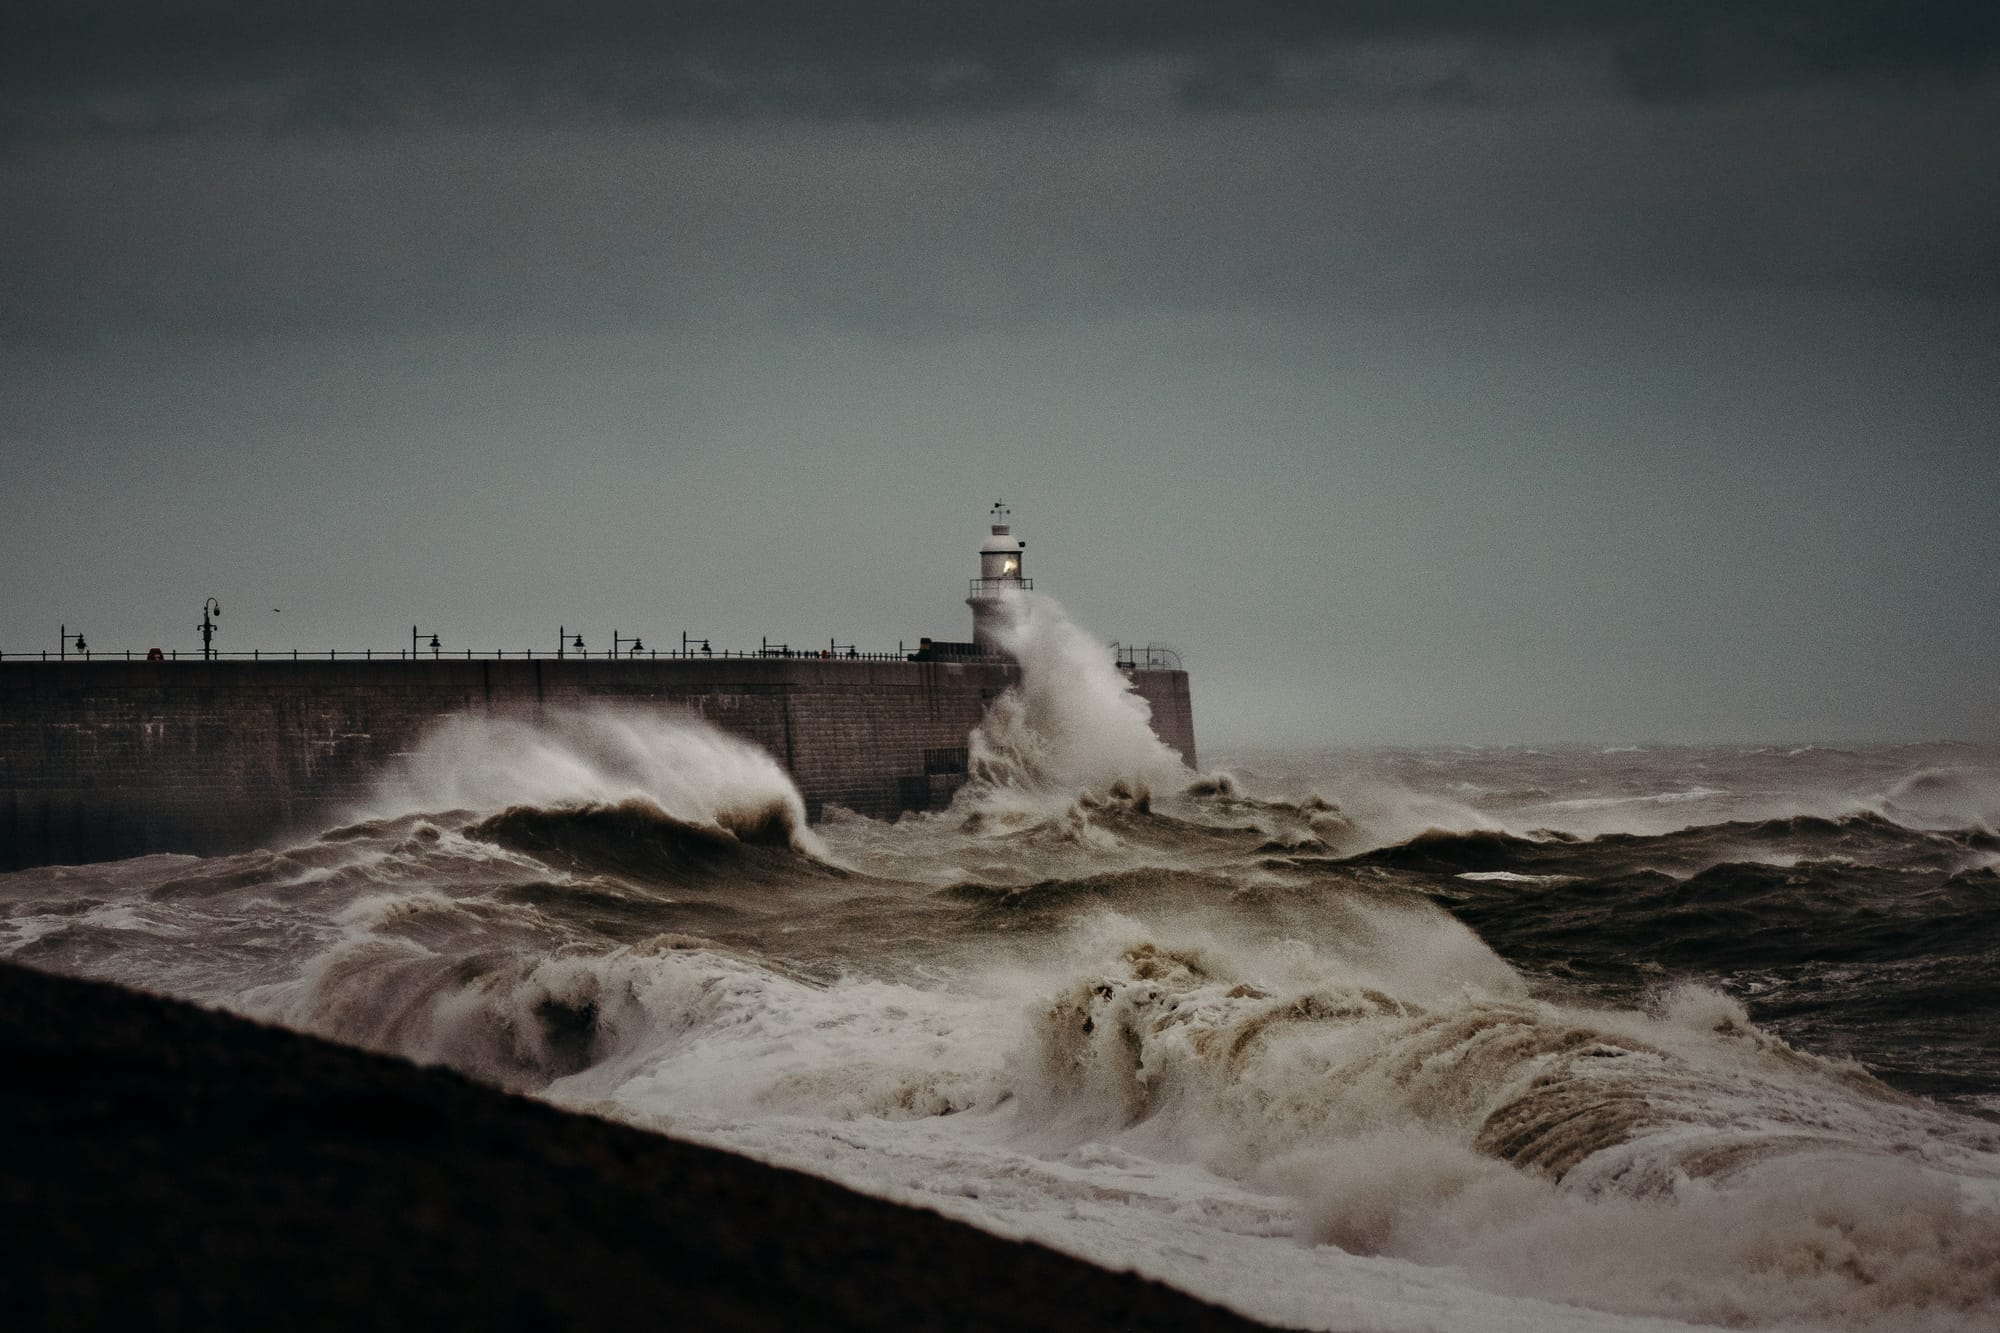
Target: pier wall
x,y
101,760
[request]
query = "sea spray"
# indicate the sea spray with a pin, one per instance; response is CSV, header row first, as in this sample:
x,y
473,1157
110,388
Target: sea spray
x,y
1949,797
1073,724
570,758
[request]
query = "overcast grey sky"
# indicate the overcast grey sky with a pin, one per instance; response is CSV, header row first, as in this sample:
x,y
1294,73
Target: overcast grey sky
x,y
1425,371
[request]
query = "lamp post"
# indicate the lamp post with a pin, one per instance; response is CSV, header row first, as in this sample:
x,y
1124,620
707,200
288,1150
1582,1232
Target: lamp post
x,y
686,642
562,636
433,645
616,640
207,627
62,643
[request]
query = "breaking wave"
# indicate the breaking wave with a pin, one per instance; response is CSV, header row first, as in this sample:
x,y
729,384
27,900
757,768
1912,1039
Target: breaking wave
x,y
603,759
638,839
1072,725
1679,1163
1945,797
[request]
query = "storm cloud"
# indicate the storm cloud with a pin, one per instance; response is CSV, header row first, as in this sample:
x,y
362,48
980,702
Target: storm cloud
x,y
116,66
1430,370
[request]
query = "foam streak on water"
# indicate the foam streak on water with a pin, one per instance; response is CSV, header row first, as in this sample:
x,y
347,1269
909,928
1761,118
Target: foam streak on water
x,y
1390,1040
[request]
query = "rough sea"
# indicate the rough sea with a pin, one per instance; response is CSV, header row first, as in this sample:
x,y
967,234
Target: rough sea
x,y
1385,1039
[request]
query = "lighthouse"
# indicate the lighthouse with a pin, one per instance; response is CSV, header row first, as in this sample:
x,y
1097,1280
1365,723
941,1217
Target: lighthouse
x,y
1000,557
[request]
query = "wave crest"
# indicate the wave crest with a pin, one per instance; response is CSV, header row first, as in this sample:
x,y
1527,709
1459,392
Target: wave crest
x,y
1593,1157
604,758
1073,724
637,838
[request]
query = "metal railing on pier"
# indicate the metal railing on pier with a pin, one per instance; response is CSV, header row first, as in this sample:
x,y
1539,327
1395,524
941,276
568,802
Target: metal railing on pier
x,y
840,653
1131,657
1152,657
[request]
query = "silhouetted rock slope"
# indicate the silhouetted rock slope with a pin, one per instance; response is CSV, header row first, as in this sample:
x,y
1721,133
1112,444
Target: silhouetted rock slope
x,y
170,1167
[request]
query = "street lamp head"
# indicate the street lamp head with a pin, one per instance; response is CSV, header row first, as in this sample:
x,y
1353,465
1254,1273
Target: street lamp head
x,y
434,641
579,642
637,646
80,644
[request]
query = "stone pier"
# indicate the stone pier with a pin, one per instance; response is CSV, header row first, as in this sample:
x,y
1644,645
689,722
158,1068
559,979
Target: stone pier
x,y
108,759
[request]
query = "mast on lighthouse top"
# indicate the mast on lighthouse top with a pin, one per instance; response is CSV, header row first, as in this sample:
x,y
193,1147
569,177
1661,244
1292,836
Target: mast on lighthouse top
x,y
1000,557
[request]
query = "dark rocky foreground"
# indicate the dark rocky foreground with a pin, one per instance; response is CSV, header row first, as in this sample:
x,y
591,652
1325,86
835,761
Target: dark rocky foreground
x,y
164,1166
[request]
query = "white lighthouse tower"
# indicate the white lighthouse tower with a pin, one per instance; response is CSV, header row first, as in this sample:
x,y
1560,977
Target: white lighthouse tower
x,y
1000,557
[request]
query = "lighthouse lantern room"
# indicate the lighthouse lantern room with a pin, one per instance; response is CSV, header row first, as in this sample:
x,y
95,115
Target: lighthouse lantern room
x,y
1000,557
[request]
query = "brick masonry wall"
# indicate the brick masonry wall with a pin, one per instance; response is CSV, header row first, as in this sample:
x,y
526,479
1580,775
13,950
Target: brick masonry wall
x,y
1173,710
111,759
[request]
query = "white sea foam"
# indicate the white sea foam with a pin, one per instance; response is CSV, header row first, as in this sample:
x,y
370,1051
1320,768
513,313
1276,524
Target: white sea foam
x,y
921,1095
1840,1241
1354,812
1072,725
1184,1106
573,757
1647,798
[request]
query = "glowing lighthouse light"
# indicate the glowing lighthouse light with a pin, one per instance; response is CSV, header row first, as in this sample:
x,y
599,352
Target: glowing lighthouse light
x,y
1000,557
